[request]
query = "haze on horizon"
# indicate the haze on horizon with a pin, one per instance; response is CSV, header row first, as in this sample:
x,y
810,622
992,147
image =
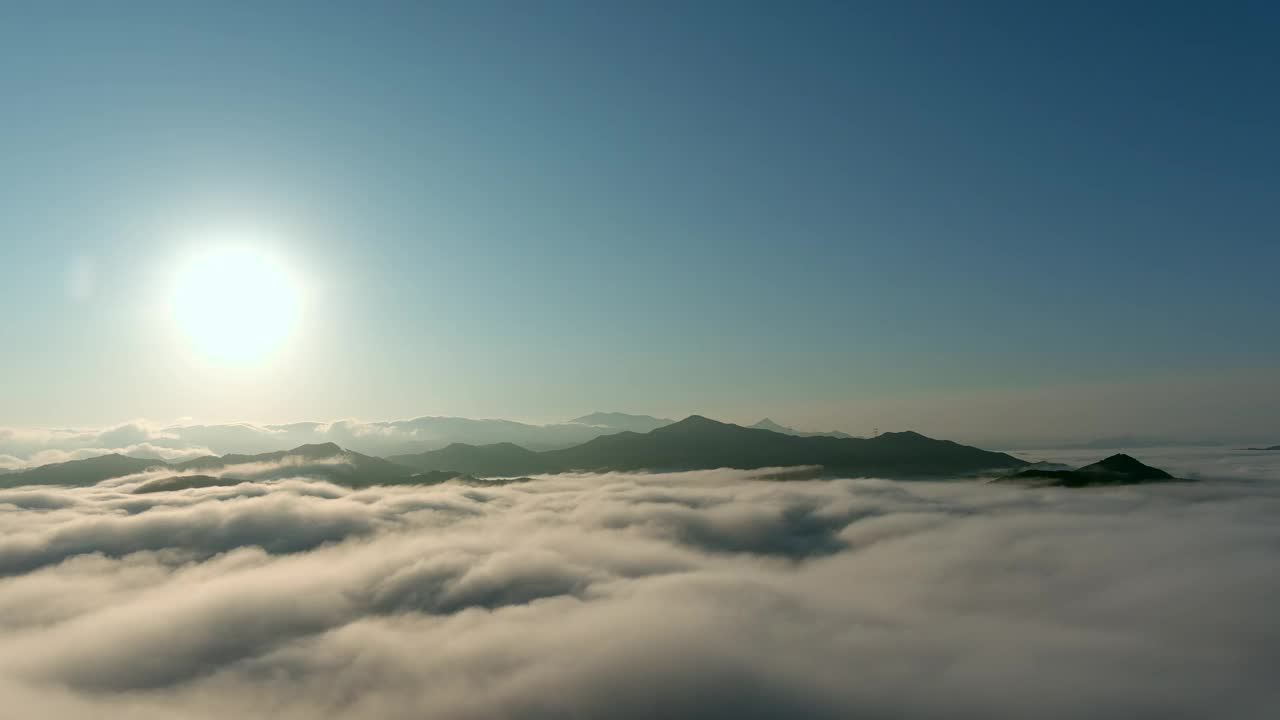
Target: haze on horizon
x,y
998,223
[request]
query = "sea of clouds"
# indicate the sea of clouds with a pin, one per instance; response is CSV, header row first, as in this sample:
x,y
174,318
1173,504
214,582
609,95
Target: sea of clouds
x,y
706,594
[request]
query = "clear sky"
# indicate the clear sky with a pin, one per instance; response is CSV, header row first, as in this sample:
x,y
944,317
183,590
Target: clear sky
x,y
838,214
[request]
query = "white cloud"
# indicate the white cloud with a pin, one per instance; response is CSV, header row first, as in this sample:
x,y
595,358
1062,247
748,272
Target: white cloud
x,y
31,447
708,594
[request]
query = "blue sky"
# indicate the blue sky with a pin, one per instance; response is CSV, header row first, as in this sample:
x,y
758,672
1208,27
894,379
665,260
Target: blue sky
x,y
821,211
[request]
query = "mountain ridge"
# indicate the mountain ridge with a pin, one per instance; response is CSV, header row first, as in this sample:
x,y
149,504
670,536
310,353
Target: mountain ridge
x,y
1118,469
347,468
693,443
621,421
698,442
770,424
80,473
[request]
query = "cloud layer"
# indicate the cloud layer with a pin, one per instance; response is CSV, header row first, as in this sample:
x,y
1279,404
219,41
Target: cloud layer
x,y
31,447
709,594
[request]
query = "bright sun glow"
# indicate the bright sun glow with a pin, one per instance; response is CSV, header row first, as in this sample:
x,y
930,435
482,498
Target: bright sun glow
x,y
237,306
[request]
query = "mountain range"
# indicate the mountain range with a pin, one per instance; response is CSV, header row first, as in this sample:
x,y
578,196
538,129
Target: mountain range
x,y
768,424
384,437
617,422
379,438
324,460
693,443
80,473
701,443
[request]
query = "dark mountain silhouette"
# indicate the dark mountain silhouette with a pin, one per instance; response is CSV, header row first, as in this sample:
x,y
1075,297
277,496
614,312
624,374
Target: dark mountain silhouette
x,y
80,472
316,451
1125,466
323,460
1046,465
185,482
1266,449
435,477
622,421
769,424
497,460
326,461
700,443
691,444
1118,469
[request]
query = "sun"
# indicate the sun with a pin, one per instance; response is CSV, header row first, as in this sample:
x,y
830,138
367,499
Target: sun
x,y
236,305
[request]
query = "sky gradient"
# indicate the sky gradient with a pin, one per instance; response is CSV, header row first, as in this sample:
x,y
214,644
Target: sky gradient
x,y
1002,220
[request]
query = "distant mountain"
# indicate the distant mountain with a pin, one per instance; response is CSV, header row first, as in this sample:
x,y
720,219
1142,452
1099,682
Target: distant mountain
x,y
768,424
185,482
621,421
1265,449
700,443
1046,465
435,477
428,433
1118,469
314,451
80,473
690,444
380,438
376,438
324,460
497,460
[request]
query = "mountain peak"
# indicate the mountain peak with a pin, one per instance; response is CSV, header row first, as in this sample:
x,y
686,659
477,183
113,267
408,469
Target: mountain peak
x,y
693,422
769,424
1119,460
901,435
317,450
80,472
773,426
1127,465
621,421
1119,469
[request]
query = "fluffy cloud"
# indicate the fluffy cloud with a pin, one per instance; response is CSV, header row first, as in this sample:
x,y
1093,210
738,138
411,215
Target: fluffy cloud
x,y
27,447
707,594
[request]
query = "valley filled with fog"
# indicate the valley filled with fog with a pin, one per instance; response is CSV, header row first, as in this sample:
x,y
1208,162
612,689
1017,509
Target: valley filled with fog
x,y
695,594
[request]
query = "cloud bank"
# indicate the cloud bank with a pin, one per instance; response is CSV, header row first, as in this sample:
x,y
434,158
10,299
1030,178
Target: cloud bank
x,y
707,594
31,447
